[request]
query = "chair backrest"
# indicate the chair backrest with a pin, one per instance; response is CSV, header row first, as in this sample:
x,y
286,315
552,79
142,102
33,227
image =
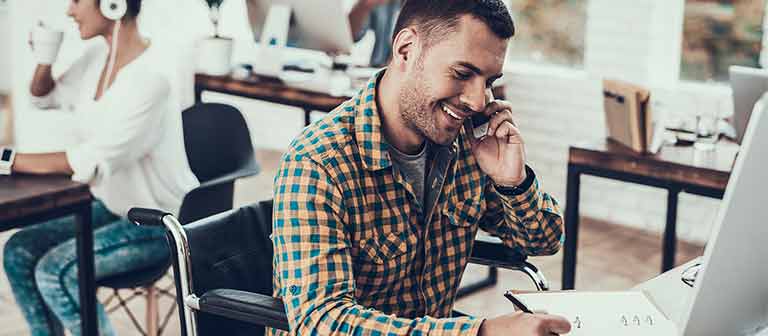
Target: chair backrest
x,y
217,140
237,254
219,150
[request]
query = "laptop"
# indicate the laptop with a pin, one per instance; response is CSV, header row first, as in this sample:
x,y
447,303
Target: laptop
x,y
748,85
730,293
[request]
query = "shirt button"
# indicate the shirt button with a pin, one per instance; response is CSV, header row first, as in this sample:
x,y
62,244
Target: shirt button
x,y
295,290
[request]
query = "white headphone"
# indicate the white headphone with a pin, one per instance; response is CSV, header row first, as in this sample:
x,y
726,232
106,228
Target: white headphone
x,y
114,9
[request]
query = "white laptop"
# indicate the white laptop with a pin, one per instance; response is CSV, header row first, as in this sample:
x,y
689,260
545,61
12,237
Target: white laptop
x,y
730,294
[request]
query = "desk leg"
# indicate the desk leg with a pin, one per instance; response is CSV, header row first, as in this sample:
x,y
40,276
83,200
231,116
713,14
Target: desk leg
x,y
307,117
86,281
670,231
571,227
198,95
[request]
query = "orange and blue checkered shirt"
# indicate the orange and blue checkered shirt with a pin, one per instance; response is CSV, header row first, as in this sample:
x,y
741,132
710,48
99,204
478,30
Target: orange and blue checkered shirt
x,y
353,252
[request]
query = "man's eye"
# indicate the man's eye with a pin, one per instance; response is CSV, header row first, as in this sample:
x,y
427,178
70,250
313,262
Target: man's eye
x,y
462,75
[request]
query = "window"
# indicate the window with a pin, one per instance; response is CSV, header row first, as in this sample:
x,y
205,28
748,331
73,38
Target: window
x,y
549,31
718,34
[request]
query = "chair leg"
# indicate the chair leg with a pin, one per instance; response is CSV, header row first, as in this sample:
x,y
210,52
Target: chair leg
x,y
152,310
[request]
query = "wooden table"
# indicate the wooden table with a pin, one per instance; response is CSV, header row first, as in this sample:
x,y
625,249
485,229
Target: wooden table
x,y
27,200
273,90
676,169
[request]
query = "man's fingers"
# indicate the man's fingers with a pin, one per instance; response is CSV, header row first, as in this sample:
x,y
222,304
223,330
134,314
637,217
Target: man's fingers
x,y
557,324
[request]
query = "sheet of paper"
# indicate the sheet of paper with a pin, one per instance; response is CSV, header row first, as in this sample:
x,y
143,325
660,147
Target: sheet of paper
x,y
603,313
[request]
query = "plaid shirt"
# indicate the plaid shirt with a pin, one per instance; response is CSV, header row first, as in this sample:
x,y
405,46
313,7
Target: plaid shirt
x,y
353,254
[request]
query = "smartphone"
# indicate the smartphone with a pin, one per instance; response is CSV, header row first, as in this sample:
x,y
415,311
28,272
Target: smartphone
x,y
480,121
479,125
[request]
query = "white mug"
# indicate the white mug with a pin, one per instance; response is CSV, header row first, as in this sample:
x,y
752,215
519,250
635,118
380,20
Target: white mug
x,y
46,43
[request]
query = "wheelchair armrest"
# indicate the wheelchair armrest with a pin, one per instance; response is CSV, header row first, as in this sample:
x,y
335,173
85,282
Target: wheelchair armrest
x,y
249,170
245,306
490,251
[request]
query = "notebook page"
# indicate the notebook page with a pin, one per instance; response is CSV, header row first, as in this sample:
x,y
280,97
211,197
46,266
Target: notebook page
x,y
603,313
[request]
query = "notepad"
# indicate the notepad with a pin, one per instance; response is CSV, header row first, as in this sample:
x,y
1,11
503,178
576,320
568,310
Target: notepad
x,y
603,313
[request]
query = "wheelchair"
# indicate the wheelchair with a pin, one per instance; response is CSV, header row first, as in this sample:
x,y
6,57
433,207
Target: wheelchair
x,y
223,269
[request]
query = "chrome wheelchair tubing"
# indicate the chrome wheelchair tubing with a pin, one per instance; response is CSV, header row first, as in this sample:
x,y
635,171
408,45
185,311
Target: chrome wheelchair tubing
x,y
185,269
542,284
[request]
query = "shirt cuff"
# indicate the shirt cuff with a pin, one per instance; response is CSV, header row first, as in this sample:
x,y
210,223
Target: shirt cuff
x,y
527,201
44,102
521,188
85,166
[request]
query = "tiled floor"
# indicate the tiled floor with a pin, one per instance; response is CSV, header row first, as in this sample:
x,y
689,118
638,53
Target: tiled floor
x,y
610,258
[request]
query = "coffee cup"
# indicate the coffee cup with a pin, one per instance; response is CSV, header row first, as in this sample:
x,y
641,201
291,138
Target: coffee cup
x,y
46,43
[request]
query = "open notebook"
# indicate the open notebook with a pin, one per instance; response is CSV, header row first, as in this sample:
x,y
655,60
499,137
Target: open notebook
x,y
603,313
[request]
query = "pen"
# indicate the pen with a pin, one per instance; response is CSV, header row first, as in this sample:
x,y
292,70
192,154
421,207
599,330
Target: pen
x,y
518,304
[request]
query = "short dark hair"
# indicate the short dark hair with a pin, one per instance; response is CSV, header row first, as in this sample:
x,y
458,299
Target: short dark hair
x,y
436,18
134,7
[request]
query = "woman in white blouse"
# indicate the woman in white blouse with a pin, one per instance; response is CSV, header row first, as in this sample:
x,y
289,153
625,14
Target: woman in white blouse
x,y
129,150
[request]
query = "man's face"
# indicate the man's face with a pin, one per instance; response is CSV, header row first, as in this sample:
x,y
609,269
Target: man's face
x,y
451,80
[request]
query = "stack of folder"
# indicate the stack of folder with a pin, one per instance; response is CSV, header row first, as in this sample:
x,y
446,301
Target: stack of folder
x,y
628,114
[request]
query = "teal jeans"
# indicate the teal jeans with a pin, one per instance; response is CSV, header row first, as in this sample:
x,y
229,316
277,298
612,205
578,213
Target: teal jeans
x,y
41,264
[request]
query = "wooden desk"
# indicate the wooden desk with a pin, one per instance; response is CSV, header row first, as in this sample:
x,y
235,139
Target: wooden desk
x,y
676,169
275,91
27,200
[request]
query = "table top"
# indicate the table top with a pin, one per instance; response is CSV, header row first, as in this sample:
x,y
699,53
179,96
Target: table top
x,y
25,195
273,90
268,89
684,164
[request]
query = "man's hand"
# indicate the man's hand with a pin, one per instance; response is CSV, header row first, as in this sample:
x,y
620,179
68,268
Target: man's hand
x,y
501,152
523,324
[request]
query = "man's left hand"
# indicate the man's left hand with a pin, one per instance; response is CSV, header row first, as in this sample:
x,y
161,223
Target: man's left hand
x,y
501,152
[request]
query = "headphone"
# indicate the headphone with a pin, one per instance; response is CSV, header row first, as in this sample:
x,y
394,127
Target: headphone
x,y
113,9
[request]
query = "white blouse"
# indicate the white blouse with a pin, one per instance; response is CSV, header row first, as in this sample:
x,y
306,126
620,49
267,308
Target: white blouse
x,y
130,146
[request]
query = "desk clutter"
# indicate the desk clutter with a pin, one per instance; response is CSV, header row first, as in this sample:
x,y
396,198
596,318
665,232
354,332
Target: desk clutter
x,y
628,116
603,313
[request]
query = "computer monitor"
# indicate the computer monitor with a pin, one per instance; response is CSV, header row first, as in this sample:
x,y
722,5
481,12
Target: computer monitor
x,y
730,295
320,25
748,85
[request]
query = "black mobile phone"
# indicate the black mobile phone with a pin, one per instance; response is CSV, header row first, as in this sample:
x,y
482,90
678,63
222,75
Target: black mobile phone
x,y
480,125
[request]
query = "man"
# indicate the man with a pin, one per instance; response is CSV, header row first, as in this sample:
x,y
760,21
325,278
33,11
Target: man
x,y
379,16
377,205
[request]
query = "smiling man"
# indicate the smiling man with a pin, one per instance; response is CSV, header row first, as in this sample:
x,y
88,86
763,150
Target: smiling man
x,y
377,205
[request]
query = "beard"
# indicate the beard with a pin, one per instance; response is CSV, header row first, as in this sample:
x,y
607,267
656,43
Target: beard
x,y
419,110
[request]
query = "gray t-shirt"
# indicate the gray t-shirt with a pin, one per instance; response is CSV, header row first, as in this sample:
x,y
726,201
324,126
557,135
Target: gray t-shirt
x,y
413,168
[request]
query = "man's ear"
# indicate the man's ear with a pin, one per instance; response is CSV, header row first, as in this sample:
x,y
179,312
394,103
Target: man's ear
x,y
404,48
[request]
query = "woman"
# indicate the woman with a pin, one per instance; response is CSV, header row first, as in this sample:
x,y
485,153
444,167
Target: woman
x,y
129,150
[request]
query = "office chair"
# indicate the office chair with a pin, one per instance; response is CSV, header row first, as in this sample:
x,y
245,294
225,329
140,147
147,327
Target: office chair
x,y
219,150
226,288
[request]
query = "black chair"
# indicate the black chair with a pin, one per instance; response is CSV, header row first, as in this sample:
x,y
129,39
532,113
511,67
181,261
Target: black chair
x,y
219,149
226,288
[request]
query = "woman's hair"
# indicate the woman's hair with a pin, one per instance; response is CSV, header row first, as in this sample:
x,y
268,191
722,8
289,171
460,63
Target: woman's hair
x,y
134,7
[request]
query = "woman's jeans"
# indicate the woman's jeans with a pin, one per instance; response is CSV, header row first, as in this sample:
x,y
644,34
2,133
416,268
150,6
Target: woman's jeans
x,y
41,264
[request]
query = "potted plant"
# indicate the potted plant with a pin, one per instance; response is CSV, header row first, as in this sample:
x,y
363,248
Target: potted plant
x,y
215,51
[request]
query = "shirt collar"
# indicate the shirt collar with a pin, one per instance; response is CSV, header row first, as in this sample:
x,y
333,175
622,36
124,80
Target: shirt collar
x,y
372,146
373,149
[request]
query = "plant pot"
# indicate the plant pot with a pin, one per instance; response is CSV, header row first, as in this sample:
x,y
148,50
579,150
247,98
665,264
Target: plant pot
x,y
215,56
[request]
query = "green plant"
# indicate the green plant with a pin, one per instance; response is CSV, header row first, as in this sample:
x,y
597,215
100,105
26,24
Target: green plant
x,y
214,14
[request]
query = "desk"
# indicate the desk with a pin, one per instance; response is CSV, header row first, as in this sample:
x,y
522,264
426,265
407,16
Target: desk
x,y
26,200
675,169
668,291
273,90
